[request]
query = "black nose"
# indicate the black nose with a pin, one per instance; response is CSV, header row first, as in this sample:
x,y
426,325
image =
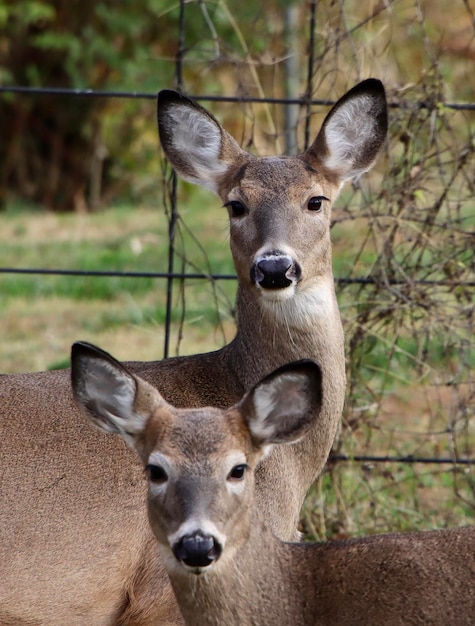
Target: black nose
x,y
274,271
197,550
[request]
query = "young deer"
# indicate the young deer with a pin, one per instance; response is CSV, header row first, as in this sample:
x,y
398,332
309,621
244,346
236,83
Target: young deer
x,y
225,564
70,553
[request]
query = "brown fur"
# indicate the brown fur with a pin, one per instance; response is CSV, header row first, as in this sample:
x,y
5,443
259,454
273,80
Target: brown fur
x,y
413,578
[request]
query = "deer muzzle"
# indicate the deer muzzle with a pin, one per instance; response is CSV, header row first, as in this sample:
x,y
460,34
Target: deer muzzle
x,y
275,271
197,550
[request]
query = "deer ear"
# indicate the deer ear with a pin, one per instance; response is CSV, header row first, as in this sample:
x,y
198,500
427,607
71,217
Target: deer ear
x,y
281,407
196,145
107,393
353,131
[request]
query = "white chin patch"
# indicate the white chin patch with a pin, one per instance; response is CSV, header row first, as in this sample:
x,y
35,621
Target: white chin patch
x,y
277,295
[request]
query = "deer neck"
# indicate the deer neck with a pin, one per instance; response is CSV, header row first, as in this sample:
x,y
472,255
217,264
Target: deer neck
x,y
271,333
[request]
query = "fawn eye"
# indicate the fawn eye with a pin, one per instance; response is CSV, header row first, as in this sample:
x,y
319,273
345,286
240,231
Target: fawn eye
x,y
315,203
238,471
156,474
236,208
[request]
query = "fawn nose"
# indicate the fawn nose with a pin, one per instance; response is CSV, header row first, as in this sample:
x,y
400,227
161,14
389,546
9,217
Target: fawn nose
x,y
197,550
275,271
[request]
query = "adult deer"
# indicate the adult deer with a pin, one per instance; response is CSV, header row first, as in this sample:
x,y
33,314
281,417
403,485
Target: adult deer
x,y
225,564
70,553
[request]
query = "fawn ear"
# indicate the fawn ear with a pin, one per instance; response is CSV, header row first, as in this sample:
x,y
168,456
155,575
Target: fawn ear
x,y
353,131
110,396
196,145
282,406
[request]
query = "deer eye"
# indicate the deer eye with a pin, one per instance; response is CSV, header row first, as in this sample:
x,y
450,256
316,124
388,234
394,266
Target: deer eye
x,y
156,474
238,471
315,203
235,208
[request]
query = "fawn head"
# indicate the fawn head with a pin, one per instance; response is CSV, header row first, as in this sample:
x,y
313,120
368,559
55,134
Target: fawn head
x,y
199,462
279,207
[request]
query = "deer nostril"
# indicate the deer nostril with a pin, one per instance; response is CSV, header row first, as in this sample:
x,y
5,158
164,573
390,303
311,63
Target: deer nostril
x,y
197,550
297,271
275,271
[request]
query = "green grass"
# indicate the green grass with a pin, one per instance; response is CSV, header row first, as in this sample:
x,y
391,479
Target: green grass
x,y
118,239
122,239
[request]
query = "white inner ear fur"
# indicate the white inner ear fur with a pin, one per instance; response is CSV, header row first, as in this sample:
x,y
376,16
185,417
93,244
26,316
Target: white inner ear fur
x,y
275,400
198,139
346,133
113,395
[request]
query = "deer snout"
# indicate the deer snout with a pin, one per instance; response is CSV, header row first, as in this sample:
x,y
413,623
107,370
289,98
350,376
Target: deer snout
x,y
275,271
197,550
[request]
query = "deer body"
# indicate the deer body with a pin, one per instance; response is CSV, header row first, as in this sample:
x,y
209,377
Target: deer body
x,y
225,564
69,552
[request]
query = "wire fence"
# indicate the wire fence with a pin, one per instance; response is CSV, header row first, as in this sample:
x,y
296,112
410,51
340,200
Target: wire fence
x,y
406,289
141,95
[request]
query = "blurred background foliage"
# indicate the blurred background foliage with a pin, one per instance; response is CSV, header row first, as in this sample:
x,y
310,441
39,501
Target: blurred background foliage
x,y
82,153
